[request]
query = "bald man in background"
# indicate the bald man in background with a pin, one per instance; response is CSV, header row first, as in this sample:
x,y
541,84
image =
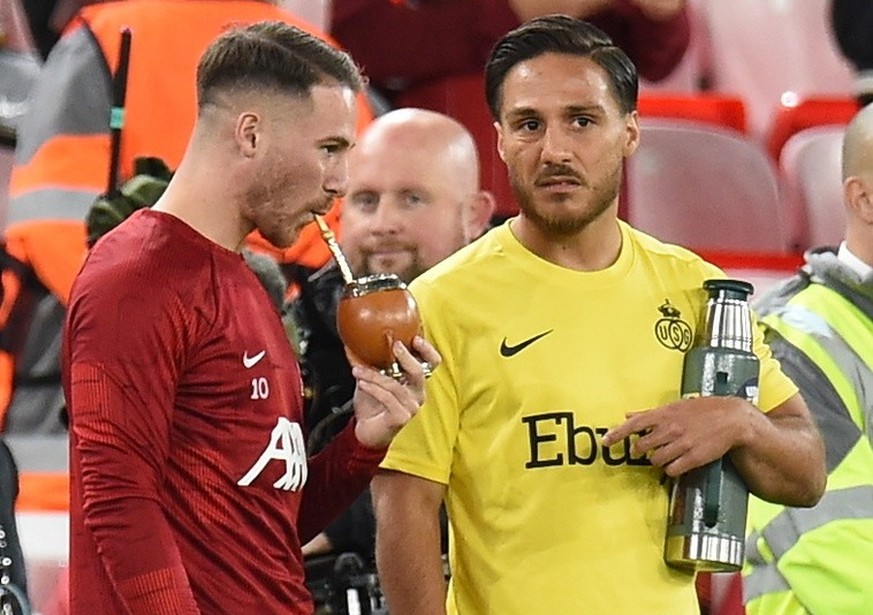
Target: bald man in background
x,y
413,199
413,196
819,325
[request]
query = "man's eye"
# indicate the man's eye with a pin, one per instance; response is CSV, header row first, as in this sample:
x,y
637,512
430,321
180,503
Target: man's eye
x,y
582,121
529,125
414,200
365,202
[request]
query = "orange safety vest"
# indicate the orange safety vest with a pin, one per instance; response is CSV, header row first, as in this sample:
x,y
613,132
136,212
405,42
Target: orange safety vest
x,y
168,38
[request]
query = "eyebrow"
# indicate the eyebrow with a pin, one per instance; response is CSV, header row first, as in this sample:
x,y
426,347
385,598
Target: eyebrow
x,y
522,112
594,108
361,192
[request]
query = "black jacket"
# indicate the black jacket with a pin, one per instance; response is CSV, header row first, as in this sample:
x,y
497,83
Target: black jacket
x,y
9,543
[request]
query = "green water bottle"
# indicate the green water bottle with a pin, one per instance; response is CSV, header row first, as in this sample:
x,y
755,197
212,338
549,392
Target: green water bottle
x,y
707,518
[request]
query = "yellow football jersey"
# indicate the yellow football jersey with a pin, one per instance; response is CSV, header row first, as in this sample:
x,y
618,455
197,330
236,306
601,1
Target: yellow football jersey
x,y
539,362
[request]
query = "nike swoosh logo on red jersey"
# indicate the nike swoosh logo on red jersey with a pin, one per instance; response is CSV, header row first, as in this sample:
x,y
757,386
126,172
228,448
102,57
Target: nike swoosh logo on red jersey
x,y
250,361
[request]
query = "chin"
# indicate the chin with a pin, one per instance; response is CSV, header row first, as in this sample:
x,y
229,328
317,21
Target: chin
x,y
284,241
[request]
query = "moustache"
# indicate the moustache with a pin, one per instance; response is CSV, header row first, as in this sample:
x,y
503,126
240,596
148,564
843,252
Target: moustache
x,y
558,171
386,247
322,206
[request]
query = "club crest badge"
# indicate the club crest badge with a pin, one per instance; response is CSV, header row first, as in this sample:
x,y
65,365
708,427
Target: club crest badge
x,y
671,331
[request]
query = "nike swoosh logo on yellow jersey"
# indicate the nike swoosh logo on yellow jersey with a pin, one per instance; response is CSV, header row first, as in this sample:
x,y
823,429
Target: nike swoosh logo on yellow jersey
x,y
508,351
250,361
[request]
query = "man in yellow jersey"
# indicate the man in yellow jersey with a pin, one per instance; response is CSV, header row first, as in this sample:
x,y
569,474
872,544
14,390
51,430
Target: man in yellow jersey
x,y
820,326
553,368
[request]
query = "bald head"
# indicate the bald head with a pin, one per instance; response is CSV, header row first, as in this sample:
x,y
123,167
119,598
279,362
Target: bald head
x,y
413,194
858,184
430,138
858,144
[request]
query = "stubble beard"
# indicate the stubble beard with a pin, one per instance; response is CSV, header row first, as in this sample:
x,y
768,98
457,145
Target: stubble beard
x,y
265,202
565,225
416,265
406,274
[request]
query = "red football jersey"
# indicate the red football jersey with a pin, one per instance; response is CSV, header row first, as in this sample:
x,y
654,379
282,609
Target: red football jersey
x,y
190,487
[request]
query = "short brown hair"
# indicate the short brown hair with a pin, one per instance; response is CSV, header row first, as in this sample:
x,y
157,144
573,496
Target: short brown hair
x,y
564,35
272,55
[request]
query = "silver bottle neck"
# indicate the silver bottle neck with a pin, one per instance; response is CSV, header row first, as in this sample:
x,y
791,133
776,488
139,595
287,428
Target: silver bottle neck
x,y
728,323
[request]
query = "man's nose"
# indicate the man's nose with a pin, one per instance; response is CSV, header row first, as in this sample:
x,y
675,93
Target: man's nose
x,y
336,178
388,217
556,146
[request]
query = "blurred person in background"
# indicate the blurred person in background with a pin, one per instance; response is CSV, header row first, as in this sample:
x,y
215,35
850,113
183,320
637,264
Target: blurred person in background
x,y
48,18
819,324
403,44
413,199
852,26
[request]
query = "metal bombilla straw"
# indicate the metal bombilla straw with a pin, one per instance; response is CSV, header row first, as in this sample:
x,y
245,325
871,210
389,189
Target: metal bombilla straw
x,y
333,246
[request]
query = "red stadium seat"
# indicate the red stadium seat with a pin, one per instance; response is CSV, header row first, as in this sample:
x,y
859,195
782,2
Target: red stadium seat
x,y
706,187
766,52
816,111
810,164
721,110
732,600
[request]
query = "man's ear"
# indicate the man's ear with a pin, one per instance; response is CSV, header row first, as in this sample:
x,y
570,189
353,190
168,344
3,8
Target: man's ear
x,y
247,133
633,134
477,214
859,198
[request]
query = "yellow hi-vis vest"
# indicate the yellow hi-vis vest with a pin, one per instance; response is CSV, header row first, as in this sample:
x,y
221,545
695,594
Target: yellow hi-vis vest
x,y
820,560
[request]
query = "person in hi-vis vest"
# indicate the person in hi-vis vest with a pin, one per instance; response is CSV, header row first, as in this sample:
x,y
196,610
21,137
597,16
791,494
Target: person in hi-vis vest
x,y
819,324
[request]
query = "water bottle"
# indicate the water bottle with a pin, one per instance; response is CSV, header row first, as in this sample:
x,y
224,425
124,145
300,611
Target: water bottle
x,y
707,517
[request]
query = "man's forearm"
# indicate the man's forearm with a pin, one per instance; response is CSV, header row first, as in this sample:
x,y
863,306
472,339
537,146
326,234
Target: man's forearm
x,y
408,544
410,567
782,458
142,560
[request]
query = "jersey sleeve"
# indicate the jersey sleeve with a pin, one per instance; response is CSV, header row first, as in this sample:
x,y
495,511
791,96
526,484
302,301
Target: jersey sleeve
x,y
127,345
424,446
337,476
774,386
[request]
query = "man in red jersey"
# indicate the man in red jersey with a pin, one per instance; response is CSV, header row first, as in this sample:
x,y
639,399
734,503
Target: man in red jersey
x,y
191,491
